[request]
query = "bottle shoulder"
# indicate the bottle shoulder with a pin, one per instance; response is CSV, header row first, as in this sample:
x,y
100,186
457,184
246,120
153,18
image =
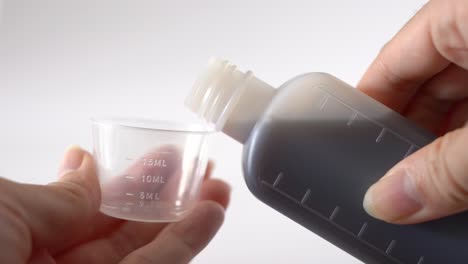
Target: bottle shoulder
x,y
305,86
310,78
329,99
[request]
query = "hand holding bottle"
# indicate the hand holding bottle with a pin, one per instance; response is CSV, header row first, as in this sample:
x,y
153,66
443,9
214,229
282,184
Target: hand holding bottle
x,y
423,74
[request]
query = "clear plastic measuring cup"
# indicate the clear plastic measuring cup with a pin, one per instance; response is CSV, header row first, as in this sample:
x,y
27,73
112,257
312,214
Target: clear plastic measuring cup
x,y
149,170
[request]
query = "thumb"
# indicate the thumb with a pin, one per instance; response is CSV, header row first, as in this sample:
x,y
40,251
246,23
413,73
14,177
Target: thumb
x,y
430,184
61,211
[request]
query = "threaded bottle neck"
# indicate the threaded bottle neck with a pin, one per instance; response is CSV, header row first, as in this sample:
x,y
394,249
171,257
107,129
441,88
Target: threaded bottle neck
x,y
216,92
228,98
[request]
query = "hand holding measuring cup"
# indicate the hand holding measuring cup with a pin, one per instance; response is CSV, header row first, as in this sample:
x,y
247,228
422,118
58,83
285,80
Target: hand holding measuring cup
x,y
61,222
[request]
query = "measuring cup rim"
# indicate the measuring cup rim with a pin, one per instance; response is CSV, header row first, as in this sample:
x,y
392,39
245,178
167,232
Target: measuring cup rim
x,y
155,125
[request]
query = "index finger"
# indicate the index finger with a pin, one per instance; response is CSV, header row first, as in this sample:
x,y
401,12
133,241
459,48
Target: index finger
x,y
406,62
180,242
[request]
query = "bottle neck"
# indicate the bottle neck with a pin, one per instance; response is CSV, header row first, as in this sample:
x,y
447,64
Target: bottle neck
x,y
229,99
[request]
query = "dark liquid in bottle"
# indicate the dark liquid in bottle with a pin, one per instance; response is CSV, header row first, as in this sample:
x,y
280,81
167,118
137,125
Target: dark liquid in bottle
x,y
318,171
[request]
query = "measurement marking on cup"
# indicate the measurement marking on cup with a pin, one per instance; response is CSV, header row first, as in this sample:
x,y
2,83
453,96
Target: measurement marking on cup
x,y
381,135
278,179
150,162
390,247
151,196
130,194
153,179
127,158
109,206
129,177
334,213
306,196
129,204
421,260
351,120
363,229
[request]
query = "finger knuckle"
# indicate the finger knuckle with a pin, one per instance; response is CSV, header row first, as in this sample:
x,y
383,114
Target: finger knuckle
x,y
75,194
388,73
138,259
15,231
450,29
448,184
123,243
187,248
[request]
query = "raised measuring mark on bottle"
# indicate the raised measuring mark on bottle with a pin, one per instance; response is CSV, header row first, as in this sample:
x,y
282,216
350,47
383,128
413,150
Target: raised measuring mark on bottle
x,y
381,135
390,247
323,102
334,213
333,216
410,151
150,196
352,118
154,162
306,196
278,179
153,179
363,229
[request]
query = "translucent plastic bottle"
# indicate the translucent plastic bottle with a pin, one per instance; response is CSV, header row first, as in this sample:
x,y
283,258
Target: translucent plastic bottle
x,y
311,150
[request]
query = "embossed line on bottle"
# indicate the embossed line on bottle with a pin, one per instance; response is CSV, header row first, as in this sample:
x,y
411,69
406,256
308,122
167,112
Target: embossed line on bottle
x,y
362,230
330,218
334,213
421,260
305,197
278,179
324,101
381,135
352,118
410,151
390,247
328,94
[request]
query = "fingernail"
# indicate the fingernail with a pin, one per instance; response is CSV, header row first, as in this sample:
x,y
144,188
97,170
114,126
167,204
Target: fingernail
x,y
72,159
394,197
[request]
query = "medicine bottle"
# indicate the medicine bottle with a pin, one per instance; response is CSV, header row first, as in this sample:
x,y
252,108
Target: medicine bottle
x,y
312,148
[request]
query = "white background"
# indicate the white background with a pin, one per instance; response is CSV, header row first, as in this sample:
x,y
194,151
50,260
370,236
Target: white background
x,y
62,62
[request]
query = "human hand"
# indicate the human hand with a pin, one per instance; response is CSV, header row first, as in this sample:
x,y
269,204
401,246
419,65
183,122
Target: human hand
x,y
60,222
423,74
